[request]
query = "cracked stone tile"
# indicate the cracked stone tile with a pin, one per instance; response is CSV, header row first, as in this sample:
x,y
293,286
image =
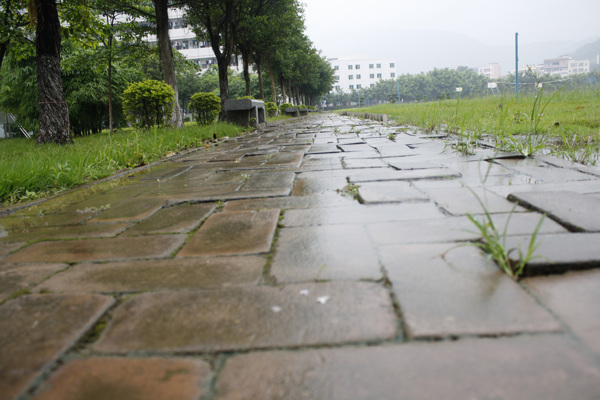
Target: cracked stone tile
x,y
36,329
181,218
148,275
558,253
14,278
98,249
545,367
235,232
576,211
575,298
338,252
445,291
128,378
251,318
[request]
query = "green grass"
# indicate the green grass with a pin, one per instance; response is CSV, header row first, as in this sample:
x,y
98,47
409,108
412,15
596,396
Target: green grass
x,y
567,123
30,170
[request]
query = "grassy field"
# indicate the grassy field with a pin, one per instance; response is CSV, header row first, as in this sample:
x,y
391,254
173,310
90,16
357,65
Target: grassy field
x,y
566,123
30,170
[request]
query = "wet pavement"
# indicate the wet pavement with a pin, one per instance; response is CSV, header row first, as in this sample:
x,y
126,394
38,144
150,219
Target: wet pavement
x,y
318,259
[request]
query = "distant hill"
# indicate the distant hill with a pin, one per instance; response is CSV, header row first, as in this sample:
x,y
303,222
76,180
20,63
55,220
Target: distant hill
x,y
589,51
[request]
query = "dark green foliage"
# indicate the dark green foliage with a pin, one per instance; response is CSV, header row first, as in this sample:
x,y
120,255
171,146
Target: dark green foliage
x,y
148,103
283,106
206,106
271,108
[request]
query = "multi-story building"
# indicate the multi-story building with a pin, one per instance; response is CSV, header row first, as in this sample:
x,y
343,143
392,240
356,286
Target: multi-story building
x,y
565,66
184,40
355,74
492,71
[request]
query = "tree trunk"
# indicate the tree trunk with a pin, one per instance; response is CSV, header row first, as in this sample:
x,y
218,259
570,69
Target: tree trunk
x,y
52,107
223,84
260,78
283,93
273,87
246,67
110,94
3,48
165,51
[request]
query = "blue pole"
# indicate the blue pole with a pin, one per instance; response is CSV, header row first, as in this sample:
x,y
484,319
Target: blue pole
x,y
517,66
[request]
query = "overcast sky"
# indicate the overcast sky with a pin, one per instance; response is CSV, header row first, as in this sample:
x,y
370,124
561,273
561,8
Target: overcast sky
x,y
368,27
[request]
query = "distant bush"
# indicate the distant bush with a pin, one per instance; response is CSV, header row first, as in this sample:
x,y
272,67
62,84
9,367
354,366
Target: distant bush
x,y
271,108
148,103
206,107
283,106
246,97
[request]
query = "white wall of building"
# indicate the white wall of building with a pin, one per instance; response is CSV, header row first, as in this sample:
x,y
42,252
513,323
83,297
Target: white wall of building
x,y
492,71
354,74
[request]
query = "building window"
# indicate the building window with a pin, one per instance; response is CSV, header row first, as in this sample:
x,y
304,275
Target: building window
x,y
357,66
350,76
337,77
392,65
372,76
336,67
337,87
351,87
371,66
358,86
378,76
393,75
372,84
378,65
358,76
349,66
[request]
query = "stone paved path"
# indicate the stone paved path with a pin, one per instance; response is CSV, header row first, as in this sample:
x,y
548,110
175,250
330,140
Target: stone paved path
x,y
242,272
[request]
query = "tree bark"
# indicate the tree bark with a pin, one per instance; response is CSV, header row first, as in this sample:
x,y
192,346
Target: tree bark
x,y
165,51
52,107
272,77
260,78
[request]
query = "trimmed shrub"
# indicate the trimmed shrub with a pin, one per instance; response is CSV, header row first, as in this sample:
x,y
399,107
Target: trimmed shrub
x,y
148,103
271,108
206,107
283,106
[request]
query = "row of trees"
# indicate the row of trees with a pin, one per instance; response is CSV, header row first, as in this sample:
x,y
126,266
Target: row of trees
x,y
441,84
87,51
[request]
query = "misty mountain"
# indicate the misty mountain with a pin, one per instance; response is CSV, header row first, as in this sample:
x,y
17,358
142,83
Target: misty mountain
x,y
423,50
588,51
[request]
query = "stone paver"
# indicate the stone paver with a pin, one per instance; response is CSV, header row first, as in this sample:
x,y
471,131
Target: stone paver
x,y
116,378
36,329
574,297
16,278
235,232
570,209
520,368
248,270
337,252
98,249
559,253
139,276
446,291
177,219
249,318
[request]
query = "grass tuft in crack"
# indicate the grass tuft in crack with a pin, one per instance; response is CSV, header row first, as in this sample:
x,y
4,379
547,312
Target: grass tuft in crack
x,y
493,240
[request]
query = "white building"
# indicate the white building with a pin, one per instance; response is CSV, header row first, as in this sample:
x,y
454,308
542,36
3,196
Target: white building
x,y
184,40
492,71
355,74
565,66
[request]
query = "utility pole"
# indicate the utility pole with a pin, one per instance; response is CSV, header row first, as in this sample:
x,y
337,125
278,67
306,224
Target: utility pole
x,y
517,66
